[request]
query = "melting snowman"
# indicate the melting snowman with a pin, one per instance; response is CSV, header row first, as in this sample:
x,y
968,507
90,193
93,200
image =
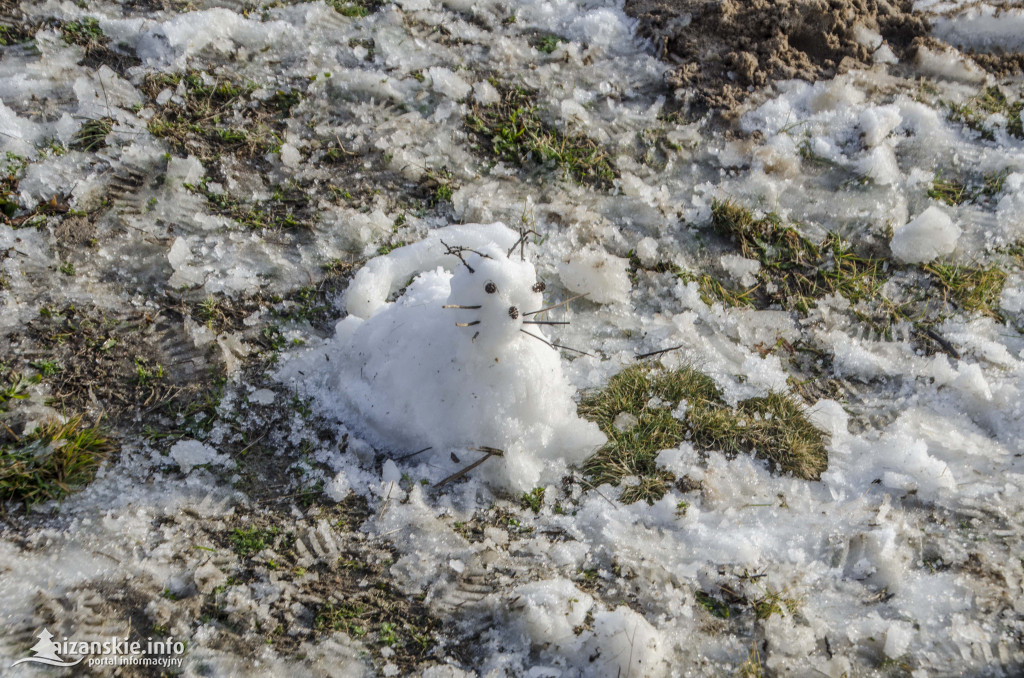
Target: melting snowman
x,y
457,362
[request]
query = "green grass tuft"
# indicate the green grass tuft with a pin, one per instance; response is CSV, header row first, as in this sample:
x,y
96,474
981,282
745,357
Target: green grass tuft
x,y
956,192
85,32
354,9
533,500
247,542
517,134
93,134
547,43
51,462
797,269
15,388
975,113
971,288
773,427
214,116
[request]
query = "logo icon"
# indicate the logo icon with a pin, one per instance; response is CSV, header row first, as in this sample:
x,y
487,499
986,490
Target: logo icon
x,y
46,652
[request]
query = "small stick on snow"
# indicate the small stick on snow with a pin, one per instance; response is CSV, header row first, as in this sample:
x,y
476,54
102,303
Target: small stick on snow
x,y
591,486
545,322
413,454
567,348
488,453
946,346
475,322
653,353
458,306
562,303
386,500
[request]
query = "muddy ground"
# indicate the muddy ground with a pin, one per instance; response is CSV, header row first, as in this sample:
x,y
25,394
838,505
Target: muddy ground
x,y
724,50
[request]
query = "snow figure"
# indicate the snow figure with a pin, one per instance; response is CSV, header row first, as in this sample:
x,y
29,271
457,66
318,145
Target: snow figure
x,y
449,363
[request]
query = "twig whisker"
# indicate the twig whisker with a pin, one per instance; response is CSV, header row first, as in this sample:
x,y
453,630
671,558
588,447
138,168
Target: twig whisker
x,y
553,345
563,303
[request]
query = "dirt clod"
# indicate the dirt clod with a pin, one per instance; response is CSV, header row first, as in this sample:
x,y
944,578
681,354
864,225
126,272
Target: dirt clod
x,y
724,47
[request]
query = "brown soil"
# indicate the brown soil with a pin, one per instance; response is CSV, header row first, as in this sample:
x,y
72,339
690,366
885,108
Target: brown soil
x,y
1000,65
724,47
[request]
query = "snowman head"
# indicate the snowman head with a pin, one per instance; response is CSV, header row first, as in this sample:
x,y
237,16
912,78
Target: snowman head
x,y
492,294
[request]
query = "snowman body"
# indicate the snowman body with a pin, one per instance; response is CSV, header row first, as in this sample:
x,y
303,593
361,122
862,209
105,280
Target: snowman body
x,y
447,365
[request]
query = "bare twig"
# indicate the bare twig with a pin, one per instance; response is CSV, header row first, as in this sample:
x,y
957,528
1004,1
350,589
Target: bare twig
x,y
553,345
413,454
521,243
488,453
659,352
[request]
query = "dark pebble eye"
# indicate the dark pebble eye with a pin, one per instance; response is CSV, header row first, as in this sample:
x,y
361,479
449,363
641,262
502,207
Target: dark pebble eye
x,y
490,288
539,287
513,312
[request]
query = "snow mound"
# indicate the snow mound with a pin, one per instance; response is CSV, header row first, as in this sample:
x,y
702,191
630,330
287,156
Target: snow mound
x,y
449,364
601,276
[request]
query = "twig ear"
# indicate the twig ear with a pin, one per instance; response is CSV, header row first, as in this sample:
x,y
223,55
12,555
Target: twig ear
x,y
457,251
521,243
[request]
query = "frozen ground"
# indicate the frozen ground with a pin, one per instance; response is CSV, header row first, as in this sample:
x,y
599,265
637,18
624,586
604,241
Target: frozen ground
x,y
191,187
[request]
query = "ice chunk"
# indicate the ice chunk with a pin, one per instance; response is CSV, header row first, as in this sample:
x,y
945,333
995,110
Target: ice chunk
x,y
599,275
880,165
485,94
191,453
740,268
932,234
548,611
984,28
625,421
647,251
290,156
897,639
339,487
830,417
878,121
448,83
390,473
626,644
263,396
948,64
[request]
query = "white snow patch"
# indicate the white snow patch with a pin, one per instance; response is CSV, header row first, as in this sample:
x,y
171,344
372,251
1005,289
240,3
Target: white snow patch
x,y
191,453
598,274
